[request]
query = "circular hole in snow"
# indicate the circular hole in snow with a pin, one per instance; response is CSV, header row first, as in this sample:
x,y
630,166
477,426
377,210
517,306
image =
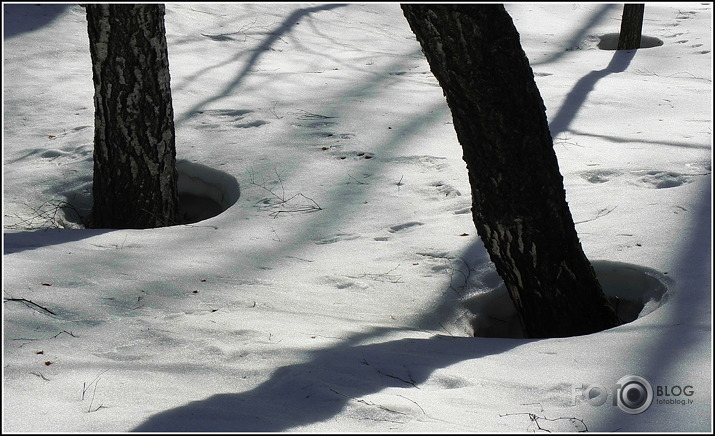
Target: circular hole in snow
x,y
634,291
609,41
204,192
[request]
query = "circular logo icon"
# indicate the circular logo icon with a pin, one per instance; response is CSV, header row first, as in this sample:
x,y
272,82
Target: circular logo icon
x,y
635,394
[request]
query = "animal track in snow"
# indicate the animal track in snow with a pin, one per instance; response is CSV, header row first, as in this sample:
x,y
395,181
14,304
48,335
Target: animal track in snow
x,y
344,282
64,154
314,124
357,155
653,179
445,190
336,238
405,226
236,118
330,135
447,381
425,161
703,168
661,179
320,133
600,176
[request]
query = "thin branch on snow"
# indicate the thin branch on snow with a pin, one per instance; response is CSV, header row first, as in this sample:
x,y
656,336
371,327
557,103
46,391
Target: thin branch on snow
x,y
359,400
535,419
601,213
31,304
282,201
411,381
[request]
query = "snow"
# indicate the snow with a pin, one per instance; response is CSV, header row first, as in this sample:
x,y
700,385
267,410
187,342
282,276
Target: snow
x,y
340,288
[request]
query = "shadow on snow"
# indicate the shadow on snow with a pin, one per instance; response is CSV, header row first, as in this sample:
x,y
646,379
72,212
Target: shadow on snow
x,y
23,18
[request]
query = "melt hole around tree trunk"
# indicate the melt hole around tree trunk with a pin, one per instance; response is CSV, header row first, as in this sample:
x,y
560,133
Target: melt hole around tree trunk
x,y
609,41
634,291
204,192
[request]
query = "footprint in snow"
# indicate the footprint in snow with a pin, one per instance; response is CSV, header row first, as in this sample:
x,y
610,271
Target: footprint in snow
x,y
600,176
661,179
337,238
405,226
235,118
356,155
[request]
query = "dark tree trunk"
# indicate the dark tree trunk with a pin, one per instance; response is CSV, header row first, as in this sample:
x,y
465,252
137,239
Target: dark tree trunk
x,y
135,179
631,27
518,198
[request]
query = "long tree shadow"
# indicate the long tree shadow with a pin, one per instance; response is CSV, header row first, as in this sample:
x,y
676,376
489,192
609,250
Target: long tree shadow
x,y
317,390
333,378
578,95
275,35
579,34
16,242
621,139
687,329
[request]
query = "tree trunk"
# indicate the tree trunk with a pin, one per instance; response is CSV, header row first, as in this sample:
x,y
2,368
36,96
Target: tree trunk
x,y
135,178
631,27
518,198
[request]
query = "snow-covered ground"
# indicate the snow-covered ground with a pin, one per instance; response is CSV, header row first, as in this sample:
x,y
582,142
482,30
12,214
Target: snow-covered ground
x,y
340,289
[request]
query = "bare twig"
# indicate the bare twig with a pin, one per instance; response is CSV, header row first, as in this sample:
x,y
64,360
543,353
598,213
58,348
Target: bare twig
x,y
382,277
65,332
357,181
465,276
601,213
411,381
86,387
273,110
413,402
535,419
282,201
40,375
359,400
31,304
47,216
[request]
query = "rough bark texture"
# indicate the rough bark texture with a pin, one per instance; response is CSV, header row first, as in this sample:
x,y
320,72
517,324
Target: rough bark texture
x,y
631,27
135,179
518,199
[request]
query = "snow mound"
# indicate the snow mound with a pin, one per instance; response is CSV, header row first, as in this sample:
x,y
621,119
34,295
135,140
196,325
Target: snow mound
x,y
635,291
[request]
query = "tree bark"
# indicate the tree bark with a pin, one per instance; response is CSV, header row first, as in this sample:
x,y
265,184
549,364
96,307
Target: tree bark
x,y
518,199
631,27
135,178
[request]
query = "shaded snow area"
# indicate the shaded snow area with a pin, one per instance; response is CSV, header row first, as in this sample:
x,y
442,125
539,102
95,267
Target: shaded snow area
x,y
329,277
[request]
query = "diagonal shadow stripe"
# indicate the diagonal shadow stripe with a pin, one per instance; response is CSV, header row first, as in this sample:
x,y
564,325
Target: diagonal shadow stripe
x,y
578,95
282,29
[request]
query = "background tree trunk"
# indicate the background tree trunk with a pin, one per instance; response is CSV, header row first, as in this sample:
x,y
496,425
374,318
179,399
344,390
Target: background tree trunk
x,y
631,27
135,179
518,198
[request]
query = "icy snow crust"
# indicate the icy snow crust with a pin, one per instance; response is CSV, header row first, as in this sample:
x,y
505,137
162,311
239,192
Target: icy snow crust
x,y
339,287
